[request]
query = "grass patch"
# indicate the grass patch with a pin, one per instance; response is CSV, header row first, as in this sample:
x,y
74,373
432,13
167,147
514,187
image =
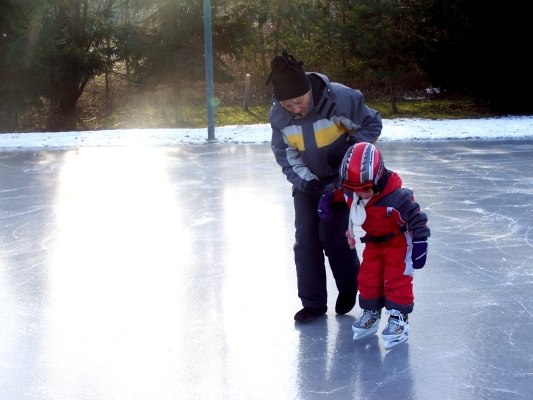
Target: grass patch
x,y
155,109
433,109
129,107
426,108
229,115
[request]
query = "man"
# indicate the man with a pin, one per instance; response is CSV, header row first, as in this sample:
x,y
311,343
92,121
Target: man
x,y
314,121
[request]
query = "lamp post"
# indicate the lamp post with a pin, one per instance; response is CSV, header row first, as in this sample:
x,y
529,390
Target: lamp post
x,y
209,91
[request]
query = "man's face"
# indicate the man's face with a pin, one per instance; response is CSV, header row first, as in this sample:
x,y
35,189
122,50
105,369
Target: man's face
x,y
297,106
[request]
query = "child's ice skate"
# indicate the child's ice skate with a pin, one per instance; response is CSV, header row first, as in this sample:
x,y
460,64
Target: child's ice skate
x,y
367,324
397,329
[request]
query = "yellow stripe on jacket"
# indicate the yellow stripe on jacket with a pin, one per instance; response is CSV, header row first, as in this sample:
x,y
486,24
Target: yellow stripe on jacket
x,y
326,132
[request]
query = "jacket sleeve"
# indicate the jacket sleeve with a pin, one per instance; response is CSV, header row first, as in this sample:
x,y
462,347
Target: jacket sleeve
x,y
290,162
363,122
410,212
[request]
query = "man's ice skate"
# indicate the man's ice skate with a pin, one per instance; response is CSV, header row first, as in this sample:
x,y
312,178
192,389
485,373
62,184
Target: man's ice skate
x,y
397,329
366,325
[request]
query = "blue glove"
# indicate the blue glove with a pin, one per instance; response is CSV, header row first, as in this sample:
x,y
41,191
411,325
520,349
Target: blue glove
x,y
324,206
419,253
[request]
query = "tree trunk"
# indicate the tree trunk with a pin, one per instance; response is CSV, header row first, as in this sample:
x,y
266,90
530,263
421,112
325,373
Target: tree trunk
x,y
392,90
178,109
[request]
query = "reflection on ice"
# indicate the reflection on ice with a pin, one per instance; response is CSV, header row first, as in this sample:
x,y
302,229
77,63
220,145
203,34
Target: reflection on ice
x,y
167,272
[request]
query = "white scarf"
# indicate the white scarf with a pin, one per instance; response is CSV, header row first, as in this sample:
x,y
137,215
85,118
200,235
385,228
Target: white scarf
x,y
357,217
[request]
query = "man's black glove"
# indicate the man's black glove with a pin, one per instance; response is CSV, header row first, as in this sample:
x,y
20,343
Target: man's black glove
x,y
314,188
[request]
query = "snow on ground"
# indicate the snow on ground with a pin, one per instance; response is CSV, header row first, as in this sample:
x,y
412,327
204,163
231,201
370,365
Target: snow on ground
x,y
393,130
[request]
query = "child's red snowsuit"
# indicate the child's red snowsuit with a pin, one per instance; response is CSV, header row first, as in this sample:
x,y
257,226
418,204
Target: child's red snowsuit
x,y
393,221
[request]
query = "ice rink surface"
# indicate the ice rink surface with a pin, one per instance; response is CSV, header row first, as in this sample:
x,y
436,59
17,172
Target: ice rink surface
x,y
166,272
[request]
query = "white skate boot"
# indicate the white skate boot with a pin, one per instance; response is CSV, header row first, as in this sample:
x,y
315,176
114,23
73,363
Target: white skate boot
x,y
366,325
397,329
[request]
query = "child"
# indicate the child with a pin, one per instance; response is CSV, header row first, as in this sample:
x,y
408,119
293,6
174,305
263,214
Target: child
x,y
395,241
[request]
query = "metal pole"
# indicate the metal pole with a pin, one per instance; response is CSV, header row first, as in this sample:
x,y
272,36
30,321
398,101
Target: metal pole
x,y
246,91
209,91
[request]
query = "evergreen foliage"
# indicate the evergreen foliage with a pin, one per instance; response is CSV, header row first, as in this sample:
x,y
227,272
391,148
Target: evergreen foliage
x,y
50,50
18,32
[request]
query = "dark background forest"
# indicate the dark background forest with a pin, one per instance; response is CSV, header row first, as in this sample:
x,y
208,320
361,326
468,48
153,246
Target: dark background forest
x,y
79,64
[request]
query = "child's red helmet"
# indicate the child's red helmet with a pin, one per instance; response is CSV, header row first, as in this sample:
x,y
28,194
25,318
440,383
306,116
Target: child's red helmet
x,y
362,167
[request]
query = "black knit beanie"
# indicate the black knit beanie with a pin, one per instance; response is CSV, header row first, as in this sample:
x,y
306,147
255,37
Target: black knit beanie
x,y
288,77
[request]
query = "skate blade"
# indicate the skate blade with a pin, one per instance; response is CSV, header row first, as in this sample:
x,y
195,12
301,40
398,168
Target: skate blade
x,y
389,344
359,336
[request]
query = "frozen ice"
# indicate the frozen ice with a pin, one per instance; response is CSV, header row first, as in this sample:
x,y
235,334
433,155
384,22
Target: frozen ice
x,y
166,272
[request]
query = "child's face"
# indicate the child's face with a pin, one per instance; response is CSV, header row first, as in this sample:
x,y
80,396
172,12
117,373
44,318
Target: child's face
x,y
364,195
364,190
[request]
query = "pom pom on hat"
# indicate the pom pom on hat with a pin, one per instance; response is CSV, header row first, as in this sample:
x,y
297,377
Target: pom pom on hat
x,y
288,77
